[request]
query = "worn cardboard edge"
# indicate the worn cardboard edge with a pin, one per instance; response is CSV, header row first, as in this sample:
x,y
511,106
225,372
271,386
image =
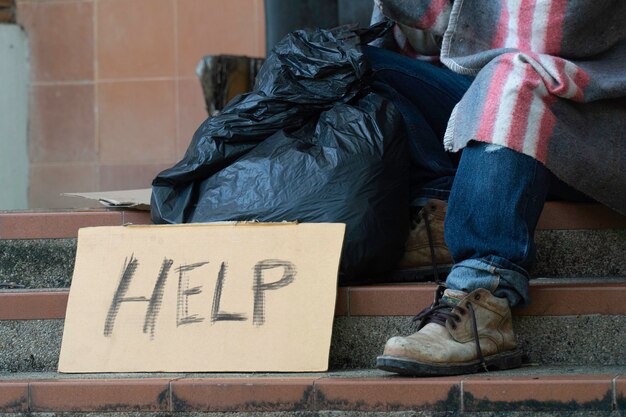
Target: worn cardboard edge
x,y
187,225
133,199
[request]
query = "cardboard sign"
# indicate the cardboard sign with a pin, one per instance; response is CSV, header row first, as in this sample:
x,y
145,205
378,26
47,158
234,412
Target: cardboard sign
x,y
211,297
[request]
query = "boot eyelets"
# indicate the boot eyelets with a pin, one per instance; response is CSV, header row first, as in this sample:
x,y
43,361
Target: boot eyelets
x,y
477,297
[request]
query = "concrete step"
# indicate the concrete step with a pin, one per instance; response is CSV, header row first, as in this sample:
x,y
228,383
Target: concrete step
x,y
37,249
529,391
570,322
572,334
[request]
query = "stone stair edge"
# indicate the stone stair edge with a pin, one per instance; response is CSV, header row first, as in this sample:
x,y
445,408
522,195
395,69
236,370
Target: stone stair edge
x,y
17,225
65,224
550,298
550,389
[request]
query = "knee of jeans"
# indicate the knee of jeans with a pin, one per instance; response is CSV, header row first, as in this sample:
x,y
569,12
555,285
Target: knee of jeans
x,y
491,148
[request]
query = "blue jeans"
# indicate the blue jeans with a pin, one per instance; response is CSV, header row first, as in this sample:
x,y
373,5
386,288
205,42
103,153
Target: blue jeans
x,y
494,206
495,195
425,95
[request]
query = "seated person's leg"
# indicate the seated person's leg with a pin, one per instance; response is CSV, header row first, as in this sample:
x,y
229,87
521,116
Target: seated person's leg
x,y
494,206
426,95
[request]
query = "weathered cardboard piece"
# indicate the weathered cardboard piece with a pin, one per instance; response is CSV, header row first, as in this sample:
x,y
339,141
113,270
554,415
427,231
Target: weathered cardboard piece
x,y
135,199
202,297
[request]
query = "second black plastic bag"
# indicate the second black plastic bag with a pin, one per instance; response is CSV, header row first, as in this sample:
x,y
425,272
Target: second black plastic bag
x,y
309,144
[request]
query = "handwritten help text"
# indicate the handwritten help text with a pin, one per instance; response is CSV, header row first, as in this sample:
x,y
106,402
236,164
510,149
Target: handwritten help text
x,y
259,288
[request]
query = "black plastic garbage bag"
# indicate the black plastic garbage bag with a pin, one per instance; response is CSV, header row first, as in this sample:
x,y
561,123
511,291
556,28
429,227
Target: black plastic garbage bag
x,y
310,144
306,73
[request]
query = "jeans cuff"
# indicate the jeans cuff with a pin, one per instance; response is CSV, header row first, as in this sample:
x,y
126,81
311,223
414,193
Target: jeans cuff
x,y
499,276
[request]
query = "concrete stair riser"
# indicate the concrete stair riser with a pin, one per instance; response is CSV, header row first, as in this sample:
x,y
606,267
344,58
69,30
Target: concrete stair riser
x,y
571,321
546,340
34,345
49,263
38,263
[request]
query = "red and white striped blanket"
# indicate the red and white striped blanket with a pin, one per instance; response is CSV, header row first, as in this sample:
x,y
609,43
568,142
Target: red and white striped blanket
x,y
550,81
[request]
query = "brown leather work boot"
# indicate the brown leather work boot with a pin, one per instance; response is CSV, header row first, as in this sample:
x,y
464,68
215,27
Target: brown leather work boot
x,y
425,248
446,342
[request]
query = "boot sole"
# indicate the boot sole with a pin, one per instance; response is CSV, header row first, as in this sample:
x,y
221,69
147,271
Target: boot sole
x,y
403,366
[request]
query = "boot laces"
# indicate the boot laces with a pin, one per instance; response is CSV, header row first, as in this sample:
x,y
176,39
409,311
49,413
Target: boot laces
x,y
438,312
431,246
441,311
424,212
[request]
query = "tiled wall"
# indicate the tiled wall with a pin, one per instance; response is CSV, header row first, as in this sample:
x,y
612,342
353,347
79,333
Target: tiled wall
x,y
114,97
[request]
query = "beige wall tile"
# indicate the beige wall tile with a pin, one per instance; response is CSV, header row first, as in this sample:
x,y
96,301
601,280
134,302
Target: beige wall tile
x,y
60,37
211,27
47,182
89,131
135,38
192,112
62,123
137,122
129,177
